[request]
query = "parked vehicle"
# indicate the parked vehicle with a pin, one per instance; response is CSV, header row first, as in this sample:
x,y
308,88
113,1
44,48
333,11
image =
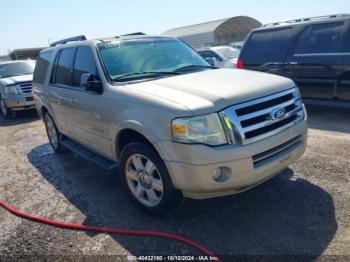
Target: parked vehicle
x,y
222,56
237,45
314,52
16,87
175,126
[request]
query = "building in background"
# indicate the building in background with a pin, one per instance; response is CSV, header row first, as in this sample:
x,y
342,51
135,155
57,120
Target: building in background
x,y
25,53
4,58
220,32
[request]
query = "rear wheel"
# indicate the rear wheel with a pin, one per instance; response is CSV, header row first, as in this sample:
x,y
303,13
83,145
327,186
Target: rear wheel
x,y
5,111
147,180
53,134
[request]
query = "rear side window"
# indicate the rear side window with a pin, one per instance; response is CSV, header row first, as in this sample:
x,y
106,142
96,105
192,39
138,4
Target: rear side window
x,y
84,63
266,46
41,67
321,38
62,70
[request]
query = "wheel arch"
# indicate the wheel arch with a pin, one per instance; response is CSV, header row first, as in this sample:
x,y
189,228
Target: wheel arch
x,y
129,135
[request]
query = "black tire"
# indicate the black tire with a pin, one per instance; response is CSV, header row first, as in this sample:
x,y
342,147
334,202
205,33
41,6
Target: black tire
x,y
56,145
5,111
171,197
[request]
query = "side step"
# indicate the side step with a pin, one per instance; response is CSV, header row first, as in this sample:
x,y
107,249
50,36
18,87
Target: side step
x,y
88,154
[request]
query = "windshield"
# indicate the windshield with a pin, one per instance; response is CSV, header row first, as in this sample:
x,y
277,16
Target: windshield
x,y
228,52
16,69
135,59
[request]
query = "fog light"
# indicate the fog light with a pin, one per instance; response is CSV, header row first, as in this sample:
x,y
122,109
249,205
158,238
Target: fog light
x,y
16,102
217,173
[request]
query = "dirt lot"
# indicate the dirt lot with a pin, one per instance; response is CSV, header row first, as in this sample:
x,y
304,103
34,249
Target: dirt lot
x,y
303,211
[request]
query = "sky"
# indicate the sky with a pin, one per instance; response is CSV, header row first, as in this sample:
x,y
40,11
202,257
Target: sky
x,y
35,23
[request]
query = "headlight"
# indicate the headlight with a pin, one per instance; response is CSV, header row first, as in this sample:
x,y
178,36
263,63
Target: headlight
x,y
205,129
11,90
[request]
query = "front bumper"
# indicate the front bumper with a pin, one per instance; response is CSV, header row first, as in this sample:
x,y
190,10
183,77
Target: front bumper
x,y
19,102
191,166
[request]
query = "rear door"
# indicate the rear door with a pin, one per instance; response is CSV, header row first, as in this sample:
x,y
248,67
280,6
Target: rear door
x,y
316,59
344,89
58,91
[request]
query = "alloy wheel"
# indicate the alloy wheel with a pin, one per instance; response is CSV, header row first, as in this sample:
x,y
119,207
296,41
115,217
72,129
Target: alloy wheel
x,y
144,180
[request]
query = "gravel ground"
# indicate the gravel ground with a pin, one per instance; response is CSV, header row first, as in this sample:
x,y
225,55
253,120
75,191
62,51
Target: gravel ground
x,y
303,211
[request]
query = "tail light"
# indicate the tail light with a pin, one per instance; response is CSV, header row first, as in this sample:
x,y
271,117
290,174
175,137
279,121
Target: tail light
x,y
240,64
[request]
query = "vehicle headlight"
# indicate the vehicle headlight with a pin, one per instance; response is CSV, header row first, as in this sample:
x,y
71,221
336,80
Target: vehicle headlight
x,y
205,129
11,90
299,103
298,92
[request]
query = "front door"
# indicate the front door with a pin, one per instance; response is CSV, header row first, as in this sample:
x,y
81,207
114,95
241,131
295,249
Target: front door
x,y
88,109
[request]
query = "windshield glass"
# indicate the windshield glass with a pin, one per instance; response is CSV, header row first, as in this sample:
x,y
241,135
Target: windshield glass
x,y
228,52
136,59
16,69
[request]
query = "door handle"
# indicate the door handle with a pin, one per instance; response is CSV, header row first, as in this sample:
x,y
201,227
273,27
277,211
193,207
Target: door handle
x,y
293,63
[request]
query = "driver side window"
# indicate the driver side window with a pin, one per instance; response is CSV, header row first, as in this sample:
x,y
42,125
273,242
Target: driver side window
x,y
84,63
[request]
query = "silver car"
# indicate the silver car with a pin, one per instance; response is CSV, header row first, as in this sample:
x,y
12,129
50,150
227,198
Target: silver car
x,y
16,87
174,126
221,56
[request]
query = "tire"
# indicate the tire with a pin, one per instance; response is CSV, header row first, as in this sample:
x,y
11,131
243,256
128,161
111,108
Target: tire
x,y
147,180
5,111
53,134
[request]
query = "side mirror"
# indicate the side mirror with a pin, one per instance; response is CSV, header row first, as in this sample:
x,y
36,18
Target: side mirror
x,y
211,61
91,83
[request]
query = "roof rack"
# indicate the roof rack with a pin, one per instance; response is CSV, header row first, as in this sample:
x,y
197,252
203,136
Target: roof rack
x,y
71,39
131,34
307,19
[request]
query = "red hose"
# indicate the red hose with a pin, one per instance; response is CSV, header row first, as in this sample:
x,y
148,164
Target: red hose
x,y
80,227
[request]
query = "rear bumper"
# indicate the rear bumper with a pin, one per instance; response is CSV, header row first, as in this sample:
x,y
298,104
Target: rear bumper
x,y
19,102
191,171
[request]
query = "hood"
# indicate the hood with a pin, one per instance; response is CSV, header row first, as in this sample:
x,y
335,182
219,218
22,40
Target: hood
x,y
14,80
213,90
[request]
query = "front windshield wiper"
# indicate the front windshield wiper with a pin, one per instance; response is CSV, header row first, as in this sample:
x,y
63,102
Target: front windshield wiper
x,y
145,73
190,67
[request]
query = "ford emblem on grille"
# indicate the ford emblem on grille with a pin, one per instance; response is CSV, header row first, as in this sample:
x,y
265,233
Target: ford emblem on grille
x,y
277,113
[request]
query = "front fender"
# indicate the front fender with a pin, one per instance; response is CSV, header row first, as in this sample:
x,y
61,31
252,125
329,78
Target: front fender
x,y
138,127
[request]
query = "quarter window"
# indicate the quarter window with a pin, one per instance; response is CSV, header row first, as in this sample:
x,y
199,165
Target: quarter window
x,y
266,46
84,63
321,38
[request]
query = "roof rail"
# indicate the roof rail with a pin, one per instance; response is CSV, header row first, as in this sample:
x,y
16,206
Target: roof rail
x,y
307,19
71,39
131,34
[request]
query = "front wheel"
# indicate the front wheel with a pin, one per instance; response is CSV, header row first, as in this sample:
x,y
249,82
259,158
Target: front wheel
x,y
147,180
5,111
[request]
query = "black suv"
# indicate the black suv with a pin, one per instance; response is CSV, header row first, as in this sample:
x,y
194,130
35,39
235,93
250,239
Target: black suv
x,y
314,52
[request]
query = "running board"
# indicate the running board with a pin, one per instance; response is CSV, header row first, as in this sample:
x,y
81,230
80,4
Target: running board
x,y
88,154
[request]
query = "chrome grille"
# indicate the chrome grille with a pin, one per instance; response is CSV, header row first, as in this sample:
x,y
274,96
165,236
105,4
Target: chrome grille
x,y
25,88
260,118
30,98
